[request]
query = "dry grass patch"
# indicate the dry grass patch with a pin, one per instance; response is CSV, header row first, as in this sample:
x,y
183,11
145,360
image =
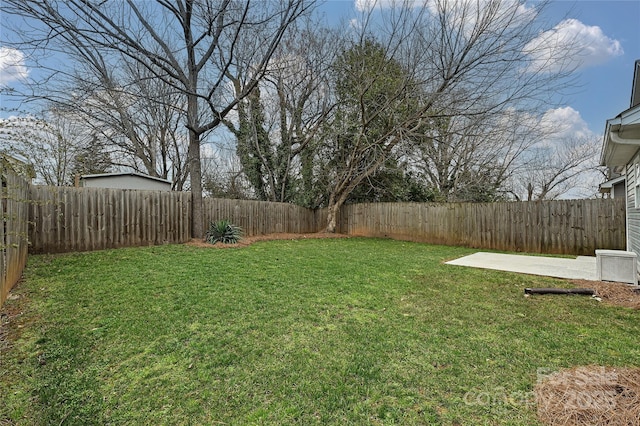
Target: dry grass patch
x,y
618,294
590,395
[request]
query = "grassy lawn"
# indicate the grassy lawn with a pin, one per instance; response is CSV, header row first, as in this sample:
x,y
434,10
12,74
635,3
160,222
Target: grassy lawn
x,y
344,331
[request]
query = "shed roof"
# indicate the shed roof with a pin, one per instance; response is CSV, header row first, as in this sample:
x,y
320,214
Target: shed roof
x,y
103,175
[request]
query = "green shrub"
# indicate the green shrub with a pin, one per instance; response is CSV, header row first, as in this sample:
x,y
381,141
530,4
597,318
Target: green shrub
x,y
223,231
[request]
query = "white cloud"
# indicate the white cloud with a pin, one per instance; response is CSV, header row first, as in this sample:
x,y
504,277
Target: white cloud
x,y
467,18
553,126
12,66
366,5
569,133
564,124
461,13
571,44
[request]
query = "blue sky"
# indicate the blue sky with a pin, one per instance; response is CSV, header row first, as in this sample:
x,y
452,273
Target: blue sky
x,y
606,87
610,31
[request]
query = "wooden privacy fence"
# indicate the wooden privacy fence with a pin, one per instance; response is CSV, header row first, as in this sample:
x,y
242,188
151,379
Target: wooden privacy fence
x,y
576,227
261,217
13,231
81,219
68,219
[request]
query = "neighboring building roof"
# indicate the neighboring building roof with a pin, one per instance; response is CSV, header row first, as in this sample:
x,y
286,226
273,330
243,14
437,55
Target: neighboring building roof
x,y
14,157
17,164
103,175
131,180
606,186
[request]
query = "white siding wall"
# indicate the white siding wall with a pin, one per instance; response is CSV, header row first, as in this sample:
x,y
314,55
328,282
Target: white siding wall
x,y
619,190
633,213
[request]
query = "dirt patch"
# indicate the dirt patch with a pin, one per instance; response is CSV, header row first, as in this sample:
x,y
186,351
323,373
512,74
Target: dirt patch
x,y
11,318
618,294
247,241
590,395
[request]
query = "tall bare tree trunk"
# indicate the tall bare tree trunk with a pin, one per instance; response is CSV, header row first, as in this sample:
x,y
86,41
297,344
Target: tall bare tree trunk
x,y
195,175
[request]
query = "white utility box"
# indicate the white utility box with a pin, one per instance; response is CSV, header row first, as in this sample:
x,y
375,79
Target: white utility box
x,y
617,265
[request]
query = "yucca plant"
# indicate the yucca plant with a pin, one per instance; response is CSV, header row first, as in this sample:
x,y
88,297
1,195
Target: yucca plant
x,y
223,231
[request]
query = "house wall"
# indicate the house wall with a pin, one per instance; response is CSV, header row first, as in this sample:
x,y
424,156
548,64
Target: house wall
x,y
619,190
125,182
633,212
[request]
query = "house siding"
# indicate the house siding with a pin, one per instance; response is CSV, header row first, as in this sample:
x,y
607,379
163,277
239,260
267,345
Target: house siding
x,y
633,213
619,190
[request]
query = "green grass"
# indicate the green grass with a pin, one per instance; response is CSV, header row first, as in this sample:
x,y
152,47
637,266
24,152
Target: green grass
x,y
345,331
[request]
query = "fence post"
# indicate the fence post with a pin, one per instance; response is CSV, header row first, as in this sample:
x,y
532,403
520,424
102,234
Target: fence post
x,y
4,290
13,235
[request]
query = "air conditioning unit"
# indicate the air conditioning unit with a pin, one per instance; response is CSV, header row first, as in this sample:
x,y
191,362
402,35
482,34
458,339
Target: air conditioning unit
x,y
617,265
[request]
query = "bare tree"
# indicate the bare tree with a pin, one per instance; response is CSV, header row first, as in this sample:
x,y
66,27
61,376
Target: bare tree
x,y
223,177
462,59
140,117
190,45
464,159
278,123
557,168
55,146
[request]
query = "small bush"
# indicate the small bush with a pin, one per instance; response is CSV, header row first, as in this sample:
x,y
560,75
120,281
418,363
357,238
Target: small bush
x,y
223,231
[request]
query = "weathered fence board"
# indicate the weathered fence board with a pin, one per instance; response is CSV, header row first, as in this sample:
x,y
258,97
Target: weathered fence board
x,y
13,230
67,219
261,217
561,227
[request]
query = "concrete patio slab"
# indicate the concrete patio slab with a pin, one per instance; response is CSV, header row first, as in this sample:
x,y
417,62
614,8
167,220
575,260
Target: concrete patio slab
x,y
580,268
